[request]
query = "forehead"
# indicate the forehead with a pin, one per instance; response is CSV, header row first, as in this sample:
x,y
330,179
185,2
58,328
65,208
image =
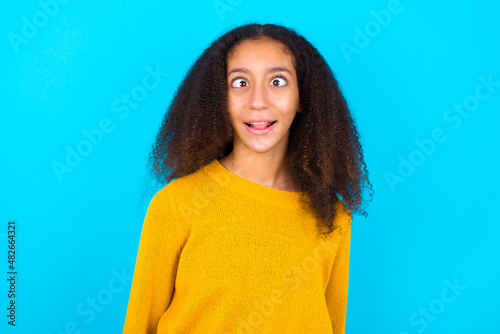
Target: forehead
x,y
264,50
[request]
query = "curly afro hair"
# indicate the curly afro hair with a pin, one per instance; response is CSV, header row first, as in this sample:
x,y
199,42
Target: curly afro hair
x,y
325,158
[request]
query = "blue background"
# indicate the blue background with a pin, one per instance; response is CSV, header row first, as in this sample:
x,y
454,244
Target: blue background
x,y
433,221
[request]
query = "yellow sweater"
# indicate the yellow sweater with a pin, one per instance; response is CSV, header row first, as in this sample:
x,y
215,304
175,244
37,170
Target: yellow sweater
x,y
221,254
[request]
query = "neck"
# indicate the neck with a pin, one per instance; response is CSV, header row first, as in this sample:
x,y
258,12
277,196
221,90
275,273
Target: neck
x,y
261,169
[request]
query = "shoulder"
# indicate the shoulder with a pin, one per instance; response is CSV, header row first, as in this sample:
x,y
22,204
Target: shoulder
x,y
343,216
195,179
163,220
187,194
182,184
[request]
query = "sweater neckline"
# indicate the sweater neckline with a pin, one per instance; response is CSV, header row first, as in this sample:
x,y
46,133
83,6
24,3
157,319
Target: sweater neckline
x,y
226,178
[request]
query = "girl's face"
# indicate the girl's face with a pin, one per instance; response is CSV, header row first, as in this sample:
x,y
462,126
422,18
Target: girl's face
x,y
262,85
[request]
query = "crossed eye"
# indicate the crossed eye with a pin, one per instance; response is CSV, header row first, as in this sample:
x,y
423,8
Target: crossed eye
x,y
277,82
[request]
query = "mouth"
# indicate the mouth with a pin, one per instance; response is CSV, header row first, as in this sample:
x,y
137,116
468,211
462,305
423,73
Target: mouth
x,y
261,125
260,128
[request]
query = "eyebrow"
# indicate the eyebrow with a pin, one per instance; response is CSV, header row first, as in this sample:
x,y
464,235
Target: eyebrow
x,y
270,70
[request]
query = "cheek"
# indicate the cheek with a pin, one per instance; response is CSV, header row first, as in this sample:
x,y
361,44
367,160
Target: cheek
x,y
232,109
230,101
287,105
234,104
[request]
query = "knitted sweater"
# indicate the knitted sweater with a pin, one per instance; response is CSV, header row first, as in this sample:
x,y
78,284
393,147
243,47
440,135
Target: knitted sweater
x,y
221,254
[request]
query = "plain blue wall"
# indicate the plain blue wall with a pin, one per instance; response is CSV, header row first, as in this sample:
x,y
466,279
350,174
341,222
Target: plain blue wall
x,y
433,222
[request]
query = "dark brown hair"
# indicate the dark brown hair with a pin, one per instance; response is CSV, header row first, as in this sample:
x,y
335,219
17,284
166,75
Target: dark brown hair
x,y
325,158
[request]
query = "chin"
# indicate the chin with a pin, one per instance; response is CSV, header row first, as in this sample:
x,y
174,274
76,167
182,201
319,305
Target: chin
x,y
262,148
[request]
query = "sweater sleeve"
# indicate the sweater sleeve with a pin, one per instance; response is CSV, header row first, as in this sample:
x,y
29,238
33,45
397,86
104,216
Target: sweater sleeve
x,y
336,290
156,265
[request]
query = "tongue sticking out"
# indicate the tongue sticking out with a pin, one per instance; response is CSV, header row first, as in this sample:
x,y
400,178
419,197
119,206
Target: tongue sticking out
x,y
261,126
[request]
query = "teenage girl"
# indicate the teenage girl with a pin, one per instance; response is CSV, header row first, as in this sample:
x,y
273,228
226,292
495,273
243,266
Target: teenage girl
x,y
262,168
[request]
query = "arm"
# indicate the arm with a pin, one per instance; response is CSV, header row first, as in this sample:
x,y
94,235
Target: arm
x,y
156,265
336,290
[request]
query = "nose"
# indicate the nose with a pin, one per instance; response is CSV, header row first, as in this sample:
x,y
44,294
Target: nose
x,y
259,97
